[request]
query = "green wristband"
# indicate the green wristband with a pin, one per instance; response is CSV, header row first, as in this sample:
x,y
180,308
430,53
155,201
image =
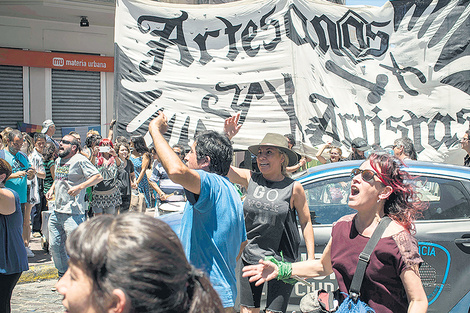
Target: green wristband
x,y
284,271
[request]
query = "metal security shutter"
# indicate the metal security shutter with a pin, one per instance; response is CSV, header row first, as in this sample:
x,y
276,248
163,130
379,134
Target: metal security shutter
x,y
11,96
76,99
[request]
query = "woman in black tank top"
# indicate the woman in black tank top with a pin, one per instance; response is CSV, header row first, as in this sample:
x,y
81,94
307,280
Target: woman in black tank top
x,y
270,206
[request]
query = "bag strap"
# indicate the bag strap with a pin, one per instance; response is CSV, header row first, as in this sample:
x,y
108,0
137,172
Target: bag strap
x,y
364,257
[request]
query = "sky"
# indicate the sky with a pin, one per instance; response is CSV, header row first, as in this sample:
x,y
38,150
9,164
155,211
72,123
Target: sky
x,y
377,3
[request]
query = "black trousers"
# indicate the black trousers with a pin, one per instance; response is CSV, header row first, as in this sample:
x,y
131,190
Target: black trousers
x,y
7,283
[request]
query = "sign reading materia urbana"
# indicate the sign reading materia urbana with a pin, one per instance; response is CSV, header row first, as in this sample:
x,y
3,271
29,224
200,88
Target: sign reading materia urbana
x,y
321,71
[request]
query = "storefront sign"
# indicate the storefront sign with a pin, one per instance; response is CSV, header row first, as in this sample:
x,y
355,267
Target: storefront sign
x,y
66,61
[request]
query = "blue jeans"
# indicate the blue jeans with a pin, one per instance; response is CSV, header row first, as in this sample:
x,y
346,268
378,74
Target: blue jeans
x,y
60,227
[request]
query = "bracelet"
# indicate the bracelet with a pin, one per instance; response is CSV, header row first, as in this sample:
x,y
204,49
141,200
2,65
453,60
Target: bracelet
x,y
284,270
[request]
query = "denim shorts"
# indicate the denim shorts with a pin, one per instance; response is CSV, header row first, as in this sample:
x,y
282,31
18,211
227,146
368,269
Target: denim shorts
x,y
278,294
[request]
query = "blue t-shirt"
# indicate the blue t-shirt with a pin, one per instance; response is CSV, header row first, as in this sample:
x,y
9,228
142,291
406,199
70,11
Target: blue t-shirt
x,y
18,162
212,230
13,257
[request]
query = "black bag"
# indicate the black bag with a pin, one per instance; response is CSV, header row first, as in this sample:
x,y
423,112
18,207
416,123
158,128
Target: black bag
x,y
290,240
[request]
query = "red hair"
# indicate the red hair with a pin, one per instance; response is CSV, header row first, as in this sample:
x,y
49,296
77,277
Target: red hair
x,y
100,159
403,205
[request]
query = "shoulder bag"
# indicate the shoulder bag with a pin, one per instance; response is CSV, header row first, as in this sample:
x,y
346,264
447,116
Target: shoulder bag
x,y
321,301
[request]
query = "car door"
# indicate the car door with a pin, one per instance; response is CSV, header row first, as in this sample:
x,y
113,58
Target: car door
x,y
443,234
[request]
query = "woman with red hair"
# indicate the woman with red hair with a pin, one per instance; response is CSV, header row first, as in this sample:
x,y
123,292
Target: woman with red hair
x,y
106,195
391,282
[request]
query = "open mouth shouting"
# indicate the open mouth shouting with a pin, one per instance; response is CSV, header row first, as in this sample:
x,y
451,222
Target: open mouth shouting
x,y
354,191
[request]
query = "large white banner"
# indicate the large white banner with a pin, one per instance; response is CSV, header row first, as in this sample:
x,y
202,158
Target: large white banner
x,y
321,71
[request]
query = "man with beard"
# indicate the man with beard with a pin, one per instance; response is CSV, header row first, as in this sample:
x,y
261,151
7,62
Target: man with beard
x,y
73,174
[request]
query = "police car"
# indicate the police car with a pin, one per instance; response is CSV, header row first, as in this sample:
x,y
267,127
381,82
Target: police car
x,y
443,233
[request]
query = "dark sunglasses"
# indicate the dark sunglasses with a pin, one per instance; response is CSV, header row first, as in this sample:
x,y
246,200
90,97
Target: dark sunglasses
x,y
367,175
66,142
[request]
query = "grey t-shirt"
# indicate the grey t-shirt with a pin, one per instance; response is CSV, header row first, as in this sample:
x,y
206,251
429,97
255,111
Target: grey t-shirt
x,y
266,206
70,173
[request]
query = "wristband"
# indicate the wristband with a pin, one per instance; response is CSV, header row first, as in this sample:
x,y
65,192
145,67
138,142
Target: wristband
x,y
284,271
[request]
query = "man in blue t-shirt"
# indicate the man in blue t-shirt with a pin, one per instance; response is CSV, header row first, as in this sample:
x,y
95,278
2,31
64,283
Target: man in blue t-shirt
x,y
212,228
19,162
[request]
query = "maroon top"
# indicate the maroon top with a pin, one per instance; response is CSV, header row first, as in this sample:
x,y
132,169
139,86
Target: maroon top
x,y
382,288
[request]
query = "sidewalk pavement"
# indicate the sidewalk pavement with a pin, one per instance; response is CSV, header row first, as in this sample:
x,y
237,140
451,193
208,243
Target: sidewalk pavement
x,y
41,266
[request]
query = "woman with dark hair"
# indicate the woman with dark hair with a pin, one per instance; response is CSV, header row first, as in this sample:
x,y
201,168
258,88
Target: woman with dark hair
x,y
391,282
106,195
13,259
271,207
49,154
126,175
140,157
130,263
91,141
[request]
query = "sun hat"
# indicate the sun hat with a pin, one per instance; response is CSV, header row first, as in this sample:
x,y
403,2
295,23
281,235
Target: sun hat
x,y
278,141
360,144
45,125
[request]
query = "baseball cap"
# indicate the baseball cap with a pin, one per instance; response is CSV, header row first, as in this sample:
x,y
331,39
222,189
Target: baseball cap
x,y
360,144
45,125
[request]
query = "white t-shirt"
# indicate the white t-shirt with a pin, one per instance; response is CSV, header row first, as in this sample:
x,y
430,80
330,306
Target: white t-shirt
x,y
70,173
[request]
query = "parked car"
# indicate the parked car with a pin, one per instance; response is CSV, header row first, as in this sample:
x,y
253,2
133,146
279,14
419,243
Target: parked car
x,y
443,232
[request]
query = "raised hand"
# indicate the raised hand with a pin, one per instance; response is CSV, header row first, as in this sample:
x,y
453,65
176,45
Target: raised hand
x,y
231,126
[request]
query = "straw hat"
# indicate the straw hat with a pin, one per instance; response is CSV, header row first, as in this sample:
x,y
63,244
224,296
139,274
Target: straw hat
x,y
278,141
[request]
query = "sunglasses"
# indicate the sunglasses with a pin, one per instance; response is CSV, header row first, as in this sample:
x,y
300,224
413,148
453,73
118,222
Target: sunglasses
x,y
65,142
367,175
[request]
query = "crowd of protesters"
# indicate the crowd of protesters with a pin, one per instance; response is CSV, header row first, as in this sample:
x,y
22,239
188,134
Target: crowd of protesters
x,y
111,176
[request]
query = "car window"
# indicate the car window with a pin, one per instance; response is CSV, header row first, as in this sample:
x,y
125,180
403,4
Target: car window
x,y
447,198
328,199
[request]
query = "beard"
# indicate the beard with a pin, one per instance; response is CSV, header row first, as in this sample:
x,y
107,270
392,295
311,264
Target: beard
x,y
64,153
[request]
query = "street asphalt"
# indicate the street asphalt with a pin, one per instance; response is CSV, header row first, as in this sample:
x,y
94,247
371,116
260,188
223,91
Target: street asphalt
x,y
36,297
41,266
34,293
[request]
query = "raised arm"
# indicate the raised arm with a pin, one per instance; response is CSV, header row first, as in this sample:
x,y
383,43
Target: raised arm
x,y
320,152
231,126
177,171
236,175
295,167
239,176
111,129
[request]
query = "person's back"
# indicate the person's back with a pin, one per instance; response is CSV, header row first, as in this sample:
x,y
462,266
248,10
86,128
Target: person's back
x,y
211,232
213,228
